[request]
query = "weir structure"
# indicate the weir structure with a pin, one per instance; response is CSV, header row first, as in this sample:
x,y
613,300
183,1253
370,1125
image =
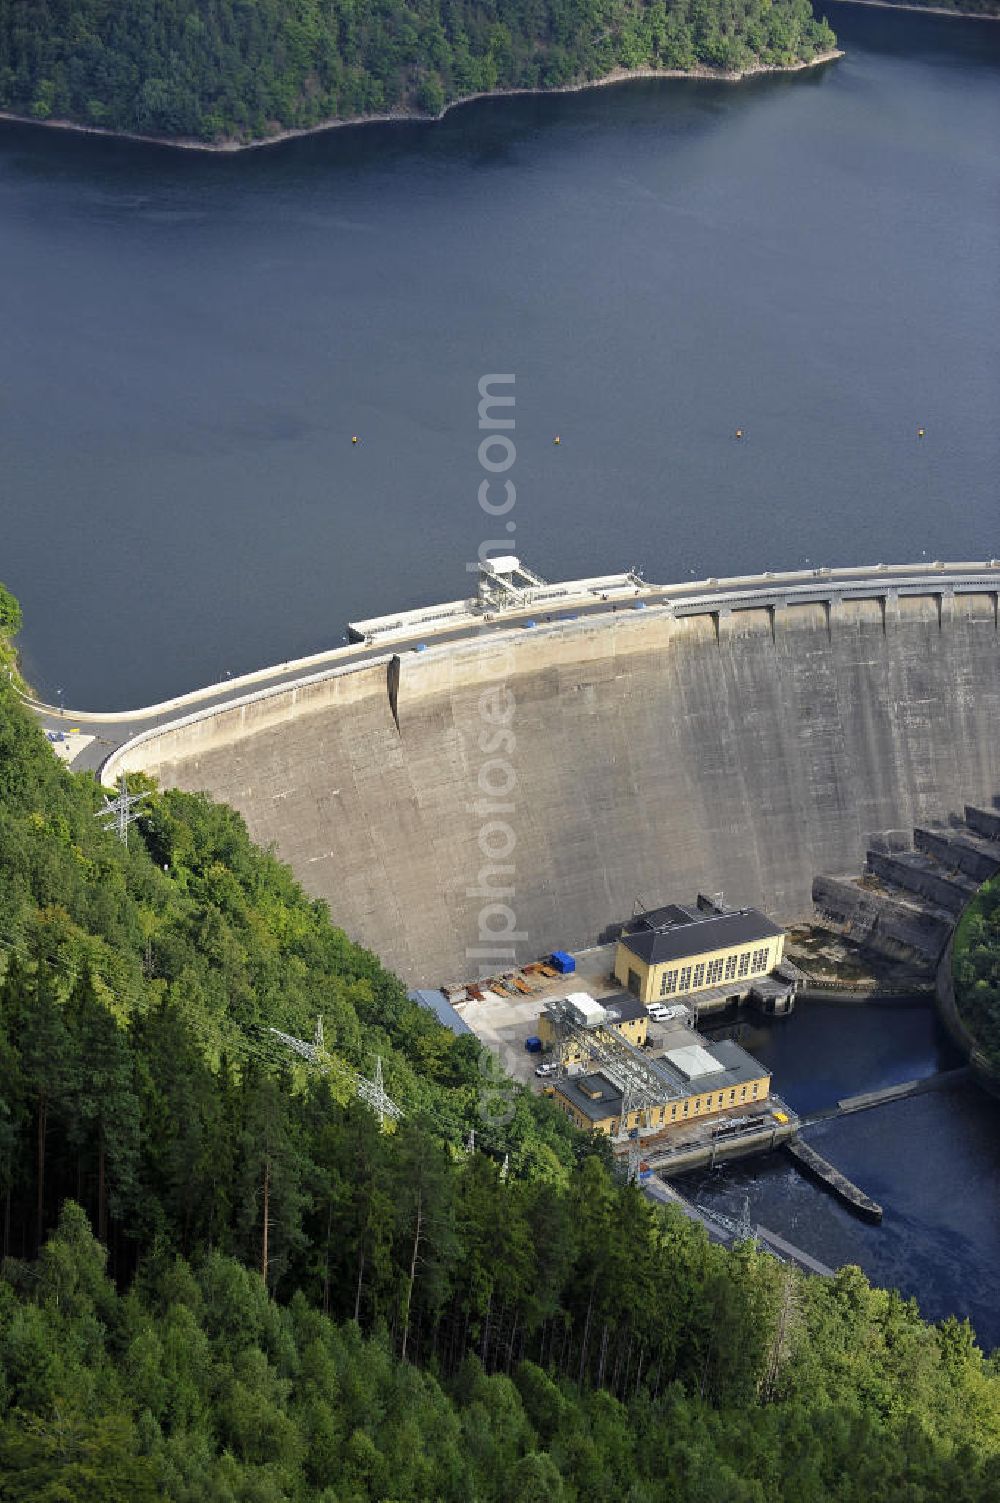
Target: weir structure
x,y
504,791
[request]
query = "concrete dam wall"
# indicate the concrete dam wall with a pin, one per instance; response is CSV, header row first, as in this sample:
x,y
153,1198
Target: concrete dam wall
x,y
648,755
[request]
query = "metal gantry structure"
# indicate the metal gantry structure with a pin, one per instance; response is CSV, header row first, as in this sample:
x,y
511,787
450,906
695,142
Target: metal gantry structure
x,y
507,582
371,1092
118,813
642,1087
640,1082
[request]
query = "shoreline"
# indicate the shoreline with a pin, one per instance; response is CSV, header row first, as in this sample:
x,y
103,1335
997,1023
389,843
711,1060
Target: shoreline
x,y
407,117
927,10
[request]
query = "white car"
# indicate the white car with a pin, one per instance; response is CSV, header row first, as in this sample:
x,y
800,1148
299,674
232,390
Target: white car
x,y
546,1069
656,1012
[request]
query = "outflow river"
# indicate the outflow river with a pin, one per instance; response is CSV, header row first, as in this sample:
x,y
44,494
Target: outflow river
x,y
188,342
933,1161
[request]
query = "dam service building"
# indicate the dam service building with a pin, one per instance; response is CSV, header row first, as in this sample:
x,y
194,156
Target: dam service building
x,y
724,954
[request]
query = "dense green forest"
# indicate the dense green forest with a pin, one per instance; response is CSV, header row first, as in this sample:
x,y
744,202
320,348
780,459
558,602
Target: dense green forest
x,y
976,967
222,1283
244,69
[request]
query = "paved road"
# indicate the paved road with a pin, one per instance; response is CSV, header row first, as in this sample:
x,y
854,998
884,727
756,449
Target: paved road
x,y
113,728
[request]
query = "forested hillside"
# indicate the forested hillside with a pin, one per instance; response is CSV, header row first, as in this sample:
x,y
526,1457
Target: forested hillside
x,y
221,1283
976,964
221,69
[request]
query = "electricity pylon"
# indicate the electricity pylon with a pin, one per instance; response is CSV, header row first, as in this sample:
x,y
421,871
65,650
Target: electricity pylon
x,y
371,1092
118,813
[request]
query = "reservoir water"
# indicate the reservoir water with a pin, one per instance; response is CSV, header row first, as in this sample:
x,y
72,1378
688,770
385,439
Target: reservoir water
x,y
188,342
931,1161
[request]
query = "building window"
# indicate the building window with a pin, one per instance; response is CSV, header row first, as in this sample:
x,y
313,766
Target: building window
x,y
686,1105
699,974
634,983
744,963
743,1093
721,1098
714,973
759,961
685,978
754,1088
673,1113
730,967
669,984
732,1094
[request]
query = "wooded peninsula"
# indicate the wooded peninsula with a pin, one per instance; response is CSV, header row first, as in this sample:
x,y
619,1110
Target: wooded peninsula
x,y
226,71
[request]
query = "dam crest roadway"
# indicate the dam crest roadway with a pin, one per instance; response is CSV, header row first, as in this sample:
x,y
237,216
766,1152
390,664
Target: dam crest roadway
x,y
739,734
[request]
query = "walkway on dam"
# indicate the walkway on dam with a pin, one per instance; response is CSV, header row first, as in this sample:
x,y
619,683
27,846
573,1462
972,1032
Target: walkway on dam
x,y
717,597
870,1099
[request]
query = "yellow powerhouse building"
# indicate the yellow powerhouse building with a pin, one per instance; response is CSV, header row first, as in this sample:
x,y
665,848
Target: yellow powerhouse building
x,y
696,1081
624,1014
671,952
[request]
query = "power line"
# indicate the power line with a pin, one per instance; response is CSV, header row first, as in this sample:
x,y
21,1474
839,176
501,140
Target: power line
x,y
371,1092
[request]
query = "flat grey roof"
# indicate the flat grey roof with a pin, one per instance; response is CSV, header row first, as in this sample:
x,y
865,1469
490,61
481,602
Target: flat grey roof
x,y
606,1104
674,934
738,1067
436,1002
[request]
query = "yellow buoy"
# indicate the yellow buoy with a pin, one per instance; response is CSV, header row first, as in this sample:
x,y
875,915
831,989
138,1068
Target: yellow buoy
x,y
920,433
739,433
557,439
354,438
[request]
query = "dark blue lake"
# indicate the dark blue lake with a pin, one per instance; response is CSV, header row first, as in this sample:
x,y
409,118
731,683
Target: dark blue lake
x,y
187,344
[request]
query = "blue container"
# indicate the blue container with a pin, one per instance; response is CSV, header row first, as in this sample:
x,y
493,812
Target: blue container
x,y
563,962
533,1044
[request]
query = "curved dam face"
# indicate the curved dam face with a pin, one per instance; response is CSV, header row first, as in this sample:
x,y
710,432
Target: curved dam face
x,y
544,780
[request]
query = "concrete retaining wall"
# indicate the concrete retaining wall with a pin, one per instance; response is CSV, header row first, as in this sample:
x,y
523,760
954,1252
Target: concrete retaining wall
x,y
653,757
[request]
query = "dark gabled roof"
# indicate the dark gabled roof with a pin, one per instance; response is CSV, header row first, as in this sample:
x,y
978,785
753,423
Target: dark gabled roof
x,y
623,1007
671,933
659,918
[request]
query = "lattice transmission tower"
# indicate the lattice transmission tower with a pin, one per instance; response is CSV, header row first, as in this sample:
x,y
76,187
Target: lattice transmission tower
x,y
118,813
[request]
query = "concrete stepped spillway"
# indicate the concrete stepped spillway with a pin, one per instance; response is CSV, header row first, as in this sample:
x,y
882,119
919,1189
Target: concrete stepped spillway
x,y
542,780
906,904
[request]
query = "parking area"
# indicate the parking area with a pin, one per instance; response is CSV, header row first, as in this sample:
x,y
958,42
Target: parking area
x,y
503,1022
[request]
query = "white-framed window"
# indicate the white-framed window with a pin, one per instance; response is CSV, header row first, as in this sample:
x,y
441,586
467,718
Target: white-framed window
x,y
684,981
759,961
668,983
714,973
744,966
731,966
699,974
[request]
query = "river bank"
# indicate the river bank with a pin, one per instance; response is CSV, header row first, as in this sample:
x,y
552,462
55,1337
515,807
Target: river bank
x,y
404,117
926,10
